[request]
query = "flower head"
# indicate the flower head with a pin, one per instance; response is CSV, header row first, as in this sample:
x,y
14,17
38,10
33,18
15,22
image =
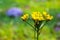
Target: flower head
x,y
25,17
37,16
14,12
47,16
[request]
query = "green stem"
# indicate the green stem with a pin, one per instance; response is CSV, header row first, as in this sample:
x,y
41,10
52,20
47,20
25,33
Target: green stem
x,y
37,35
29,24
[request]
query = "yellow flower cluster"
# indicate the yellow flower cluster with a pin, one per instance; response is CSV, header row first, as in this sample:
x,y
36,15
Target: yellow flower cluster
x,y
47,16
25,17
38,16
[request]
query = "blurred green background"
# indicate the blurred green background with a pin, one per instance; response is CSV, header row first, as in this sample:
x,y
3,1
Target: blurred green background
x,y
19,30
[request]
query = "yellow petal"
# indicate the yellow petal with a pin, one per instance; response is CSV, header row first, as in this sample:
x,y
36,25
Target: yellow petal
x,y
44,13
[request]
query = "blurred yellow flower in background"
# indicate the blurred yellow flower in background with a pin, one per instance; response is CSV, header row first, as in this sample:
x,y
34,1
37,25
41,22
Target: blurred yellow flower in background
x,y
25,17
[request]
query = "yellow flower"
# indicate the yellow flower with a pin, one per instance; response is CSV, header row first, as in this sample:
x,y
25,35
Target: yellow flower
x,y
37,16
34,14
25,17
49,17
40,15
